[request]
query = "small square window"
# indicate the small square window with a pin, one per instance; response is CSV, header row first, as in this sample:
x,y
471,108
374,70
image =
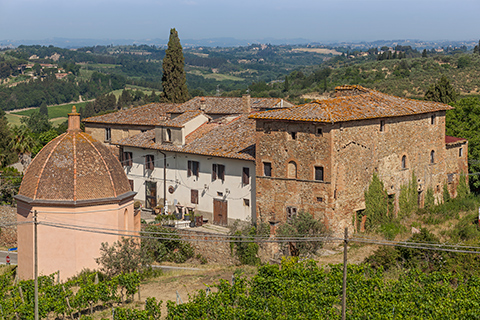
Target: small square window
x,y
194,196
149,162
319,173
382,125
245,176
291,212
319,131
246,202
293,135
193,168
108,134
127,159
267,169
220,194
319,199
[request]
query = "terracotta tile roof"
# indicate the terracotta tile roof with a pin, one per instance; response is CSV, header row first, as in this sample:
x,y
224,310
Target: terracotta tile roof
x,y
74,167
148,115
360,103
453,140
235,139
182,119
230,105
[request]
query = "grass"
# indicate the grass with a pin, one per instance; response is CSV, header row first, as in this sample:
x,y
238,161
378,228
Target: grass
x,y
53,111
57,114
13,119
216,76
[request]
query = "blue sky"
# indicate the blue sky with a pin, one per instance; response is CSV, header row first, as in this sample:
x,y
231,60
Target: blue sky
x,y
320,20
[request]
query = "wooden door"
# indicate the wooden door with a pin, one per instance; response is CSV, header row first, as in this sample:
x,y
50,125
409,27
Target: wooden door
x,y
220,212
150,194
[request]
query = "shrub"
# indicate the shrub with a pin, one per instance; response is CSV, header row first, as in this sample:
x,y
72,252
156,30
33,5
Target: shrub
x,y
303,225
123,256
169,248
246,252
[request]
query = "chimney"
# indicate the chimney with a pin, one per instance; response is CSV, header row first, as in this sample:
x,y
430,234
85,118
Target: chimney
x,y
202,103
246,103
74,121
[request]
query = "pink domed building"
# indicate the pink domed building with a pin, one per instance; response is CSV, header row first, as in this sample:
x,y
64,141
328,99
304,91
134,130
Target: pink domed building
x,y
82,198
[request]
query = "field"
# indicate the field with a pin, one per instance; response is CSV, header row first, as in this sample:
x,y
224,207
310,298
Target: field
x,y
57,114
216,76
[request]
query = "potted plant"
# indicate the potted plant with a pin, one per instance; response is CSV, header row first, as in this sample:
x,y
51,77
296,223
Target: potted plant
x,y
158,209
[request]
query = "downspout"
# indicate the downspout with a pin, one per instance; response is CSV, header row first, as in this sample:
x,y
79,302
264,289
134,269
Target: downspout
x,y
164,180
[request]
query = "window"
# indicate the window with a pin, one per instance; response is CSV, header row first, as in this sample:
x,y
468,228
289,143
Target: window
x,y
143,130
291,212
450,177
245,176
460,152
432,157
292,135
432,119
127,159
193,168
382,125
149,162
319,173
292,170
218,172
319,131
246,202
194,196
319,199
168,136
220,194
267,169
404,162
108,134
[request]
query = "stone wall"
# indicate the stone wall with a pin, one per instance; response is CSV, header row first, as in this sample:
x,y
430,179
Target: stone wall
x,y
350,153
215,250
457,165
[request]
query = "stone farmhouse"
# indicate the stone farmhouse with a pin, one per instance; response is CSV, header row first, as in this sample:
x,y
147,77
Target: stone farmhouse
x,y
265,160
320,157
201,159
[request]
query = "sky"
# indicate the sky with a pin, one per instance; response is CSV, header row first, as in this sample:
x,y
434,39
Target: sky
x,y
315,20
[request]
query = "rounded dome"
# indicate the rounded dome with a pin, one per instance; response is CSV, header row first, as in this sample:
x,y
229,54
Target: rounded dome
x,y
74,168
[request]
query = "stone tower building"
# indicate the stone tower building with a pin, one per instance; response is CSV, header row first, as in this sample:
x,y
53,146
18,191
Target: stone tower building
x,y
320,157
74,185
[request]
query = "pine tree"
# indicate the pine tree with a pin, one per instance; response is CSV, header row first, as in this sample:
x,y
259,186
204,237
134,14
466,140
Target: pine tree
x,y
174,81
424,53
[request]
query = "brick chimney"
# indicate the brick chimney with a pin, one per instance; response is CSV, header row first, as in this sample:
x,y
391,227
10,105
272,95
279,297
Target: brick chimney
x,y
74,121
202,103
246,106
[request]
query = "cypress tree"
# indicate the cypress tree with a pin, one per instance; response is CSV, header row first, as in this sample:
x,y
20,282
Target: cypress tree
x,y
43,109
174,81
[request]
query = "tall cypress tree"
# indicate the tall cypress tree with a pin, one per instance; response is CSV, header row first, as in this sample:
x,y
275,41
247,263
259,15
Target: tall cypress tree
x,y
174,81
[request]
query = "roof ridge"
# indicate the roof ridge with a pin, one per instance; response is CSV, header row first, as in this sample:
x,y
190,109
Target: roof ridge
x,y
45,164
103,160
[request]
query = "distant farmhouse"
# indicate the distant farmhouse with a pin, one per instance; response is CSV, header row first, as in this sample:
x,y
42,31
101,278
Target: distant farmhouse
x,y
263,159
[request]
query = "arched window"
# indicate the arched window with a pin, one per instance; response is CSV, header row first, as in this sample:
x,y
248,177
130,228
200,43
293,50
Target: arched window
x,y
404,162
169,135
292,170
432,156
125,219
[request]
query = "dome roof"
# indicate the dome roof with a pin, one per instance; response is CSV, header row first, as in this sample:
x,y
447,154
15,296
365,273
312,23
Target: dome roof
x,y
73,169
